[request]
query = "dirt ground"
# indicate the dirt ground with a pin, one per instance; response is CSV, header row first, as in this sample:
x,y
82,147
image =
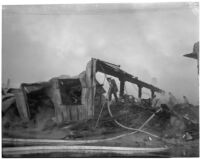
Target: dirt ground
x,y
43,126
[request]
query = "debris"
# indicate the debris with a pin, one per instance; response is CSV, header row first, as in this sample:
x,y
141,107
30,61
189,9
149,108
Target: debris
x,y
150,139
133,129
187,136
22,106
7,103
7,95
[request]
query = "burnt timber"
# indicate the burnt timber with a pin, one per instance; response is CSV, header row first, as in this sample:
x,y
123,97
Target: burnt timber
x,y
114,70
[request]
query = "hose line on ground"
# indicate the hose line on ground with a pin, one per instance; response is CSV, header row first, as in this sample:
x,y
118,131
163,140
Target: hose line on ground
x,y
17,141
129,128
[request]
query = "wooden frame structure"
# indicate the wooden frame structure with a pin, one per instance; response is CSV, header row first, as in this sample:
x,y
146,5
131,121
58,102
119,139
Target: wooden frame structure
x,y
114,70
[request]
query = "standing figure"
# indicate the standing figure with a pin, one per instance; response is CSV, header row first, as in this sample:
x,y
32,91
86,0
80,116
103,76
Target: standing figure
x,y
112,89
185,100
172,100
154,101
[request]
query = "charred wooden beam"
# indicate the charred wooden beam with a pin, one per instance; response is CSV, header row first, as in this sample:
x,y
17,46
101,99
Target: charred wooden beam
x,y
117,72
143,84
122,83
152,93
22,105
139,91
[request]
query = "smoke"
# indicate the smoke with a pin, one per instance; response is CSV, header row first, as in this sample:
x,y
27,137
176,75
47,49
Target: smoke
x,y
40,42
154,81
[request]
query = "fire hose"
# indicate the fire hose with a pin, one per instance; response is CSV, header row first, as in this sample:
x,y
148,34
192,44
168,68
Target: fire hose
x,y
17,141
129,128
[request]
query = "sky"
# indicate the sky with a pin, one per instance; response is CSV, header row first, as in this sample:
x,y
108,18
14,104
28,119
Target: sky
x,y
148,40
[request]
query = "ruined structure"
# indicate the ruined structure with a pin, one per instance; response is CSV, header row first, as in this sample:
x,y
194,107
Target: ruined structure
x,y
40,113
73,98
114,70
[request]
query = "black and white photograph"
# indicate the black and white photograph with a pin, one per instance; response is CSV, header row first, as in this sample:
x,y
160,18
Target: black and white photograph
x,y
100,80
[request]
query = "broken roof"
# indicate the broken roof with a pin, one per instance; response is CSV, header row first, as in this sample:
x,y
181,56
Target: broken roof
x,y
114,70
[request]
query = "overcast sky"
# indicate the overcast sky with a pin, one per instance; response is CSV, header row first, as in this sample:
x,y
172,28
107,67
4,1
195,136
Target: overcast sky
x,y
147,40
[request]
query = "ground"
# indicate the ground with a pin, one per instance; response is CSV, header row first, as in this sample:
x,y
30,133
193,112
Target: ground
x,y
170,129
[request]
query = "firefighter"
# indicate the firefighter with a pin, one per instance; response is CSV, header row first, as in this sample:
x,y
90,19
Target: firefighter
x,y
112,89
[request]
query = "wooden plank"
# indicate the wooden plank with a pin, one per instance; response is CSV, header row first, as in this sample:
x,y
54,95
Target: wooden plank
x,y
7,95
89,104
83,112
7,103
58,113
73,113
57,101
77,112
22,106
70,113
80,111
84,96
66,114
117,72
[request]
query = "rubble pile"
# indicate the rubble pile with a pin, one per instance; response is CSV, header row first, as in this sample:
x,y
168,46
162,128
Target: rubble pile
x,y
180,122
189,114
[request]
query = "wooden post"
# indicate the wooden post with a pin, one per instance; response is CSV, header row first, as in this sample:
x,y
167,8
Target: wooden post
x,y
22,106
152,93
139,91
122,83
57,100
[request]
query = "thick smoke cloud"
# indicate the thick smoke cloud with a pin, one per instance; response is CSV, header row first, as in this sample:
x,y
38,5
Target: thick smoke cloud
x,y
40,42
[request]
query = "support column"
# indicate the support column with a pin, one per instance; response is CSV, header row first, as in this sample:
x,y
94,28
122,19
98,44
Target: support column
x,y
139,91
122,83
152,93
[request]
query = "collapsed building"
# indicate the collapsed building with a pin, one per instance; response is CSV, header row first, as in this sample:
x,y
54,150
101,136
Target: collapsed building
x,y
73,98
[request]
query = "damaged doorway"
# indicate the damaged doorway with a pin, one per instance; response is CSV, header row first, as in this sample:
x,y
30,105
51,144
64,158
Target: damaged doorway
x,y
70,90
39,104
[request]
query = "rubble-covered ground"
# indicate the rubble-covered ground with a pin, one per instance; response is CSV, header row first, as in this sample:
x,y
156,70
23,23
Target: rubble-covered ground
x,y
177,128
